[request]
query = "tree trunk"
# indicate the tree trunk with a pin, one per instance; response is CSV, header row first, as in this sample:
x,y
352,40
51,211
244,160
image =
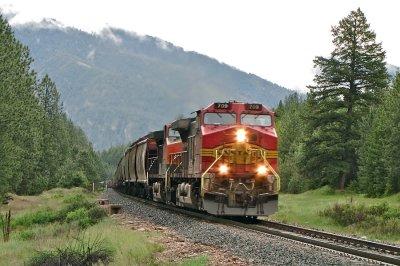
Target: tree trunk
x,y
342,181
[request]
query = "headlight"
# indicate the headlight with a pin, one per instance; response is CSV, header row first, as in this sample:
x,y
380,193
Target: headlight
x,y
241,135
223,169
262,170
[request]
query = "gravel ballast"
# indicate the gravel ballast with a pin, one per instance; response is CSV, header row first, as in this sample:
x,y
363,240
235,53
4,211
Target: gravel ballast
x,y
255,247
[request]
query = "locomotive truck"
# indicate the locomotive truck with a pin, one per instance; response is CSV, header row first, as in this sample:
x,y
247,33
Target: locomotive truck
x,y
222,161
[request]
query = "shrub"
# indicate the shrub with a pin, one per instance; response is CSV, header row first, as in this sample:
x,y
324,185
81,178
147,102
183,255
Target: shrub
x,y
81,252
27,235
43,216
79,216
378,219
96,213
78,210
74,179
74,203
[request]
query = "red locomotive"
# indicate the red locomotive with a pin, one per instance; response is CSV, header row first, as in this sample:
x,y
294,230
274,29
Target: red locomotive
x,y
222,161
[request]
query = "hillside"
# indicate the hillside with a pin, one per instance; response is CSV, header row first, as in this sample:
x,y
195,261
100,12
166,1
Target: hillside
x,y
392,70
117,85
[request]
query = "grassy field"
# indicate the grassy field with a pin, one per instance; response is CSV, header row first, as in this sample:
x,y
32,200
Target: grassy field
x,y
305,209
37,227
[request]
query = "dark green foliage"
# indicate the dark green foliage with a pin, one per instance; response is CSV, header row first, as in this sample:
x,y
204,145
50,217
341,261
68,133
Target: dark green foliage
x,y
379,154
80,217
20,117
39,147
348,214
378,219
74,203
110,159
39,217
347,84
290,129
78,210
82,252
27,235
96,213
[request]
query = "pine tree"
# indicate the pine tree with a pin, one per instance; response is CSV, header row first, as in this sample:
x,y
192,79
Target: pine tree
x,y
347,84
20,116
52,156
290,130
379,156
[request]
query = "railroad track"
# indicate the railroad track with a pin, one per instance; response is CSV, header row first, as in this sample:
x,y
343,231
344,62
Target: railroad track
x,y
360,248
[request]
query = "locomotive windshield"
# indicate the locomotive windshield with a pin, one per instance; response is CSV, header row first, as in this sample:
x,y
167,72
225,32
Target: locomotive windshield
x,y
220,118
256,120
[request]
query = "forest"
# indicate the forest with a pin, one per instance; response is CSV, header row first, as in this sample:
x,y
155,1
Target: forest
x,y
40,148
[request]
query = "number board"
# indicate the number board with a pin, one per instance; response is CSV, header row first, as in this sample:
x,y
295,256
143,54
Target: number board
x,y
253,106
222,105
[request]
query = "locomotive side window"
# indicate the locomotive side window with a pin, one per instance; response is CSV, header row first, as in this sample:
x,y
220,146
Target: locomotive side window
x,y
173,135
219,119
256,120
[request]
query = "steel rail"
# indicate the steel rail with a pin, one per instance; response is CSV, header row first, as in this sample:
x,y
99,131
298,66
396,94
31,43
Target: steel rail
x,y
381,247
313,237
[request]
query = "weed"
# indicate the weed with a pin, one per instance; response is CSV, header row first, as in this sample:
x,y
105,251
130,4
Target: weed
x,y
43,216
96,213
26,235
82,251
79,216
196,261
375,219
74,203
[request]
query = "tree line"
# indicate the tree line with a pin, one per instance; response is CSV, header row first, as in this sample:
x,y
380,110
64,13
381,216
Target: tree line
x,y
345,132
40,148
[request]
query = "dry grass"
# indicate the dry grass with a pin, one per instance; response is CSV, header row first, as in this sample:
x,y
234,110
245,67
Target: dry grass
x,y
132,247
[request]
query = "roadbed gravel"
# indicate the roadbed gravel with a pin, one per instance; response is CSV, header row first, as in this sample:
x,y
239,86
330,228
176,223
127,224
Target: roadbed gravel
x,y
253,247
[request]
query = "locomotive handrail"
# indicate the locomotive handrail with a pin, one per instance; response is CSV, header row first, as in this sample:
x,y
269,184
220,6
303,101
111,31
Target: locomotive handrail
x,y
217,157
152,159
278,178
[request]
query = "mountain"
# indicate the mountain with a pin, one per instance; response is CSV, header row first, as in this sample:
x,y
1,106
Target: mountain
x,y
118,85
392,70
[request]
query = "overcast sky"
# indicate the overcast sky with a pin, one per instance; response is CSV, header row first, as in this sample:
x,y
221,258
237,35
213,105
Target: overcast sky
x,y
276,40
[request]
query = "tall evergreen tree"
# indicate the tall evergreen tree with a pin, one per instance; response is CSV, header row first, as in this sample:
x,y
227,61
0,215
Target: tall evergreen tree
x,y
290,128
379,155
347,84
20,116
53,151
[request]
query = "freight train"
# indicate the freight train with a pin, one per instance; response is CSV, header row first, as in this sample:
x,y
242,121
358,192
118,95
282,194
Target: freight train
x,y
222,161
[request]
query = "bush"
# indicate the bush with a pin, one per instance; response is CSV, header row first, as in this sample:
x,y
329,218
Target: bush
x,y
40,217
379,219
96,213
78,210
79,216
85,217
295,185
76,179
81,252
74,203
27,235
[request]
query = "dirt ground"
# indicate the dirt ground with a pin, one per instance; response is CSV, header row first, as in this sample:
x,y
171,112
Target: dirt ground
x,y
177,248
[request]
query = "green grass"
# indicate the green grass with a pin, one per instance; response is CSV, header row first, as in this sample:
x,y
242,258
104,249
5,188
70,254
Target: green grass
x,y
303,209
196,261
42,223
